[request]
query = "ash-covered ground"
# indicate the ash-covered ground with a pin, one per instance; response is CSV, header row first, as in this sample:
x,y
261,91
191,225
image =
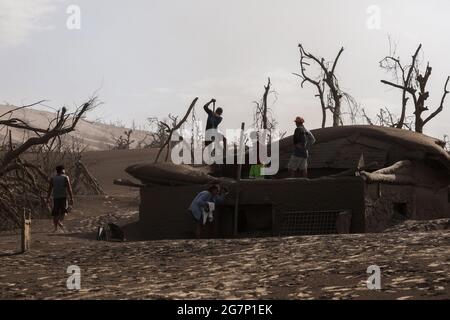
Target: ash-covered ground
x,y
414,258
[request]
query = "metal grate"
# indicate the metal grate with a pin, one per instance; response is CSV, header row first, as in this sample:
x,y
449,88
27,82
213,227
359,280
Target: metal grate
x,y
293,223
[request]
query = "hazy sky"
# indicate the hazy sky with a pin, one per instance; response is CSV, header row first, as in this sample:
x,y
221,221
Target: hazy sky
x,y
152,57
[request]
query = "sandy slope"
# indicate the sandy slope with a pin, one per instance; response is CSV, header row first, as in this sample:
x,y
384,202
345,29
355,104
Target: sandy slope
x,y
96,136
109,165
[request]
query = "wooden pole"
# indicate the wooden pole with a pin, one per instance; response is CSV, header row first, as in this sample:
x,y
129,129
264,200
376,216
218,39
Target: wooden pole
x,y
238,178
26,232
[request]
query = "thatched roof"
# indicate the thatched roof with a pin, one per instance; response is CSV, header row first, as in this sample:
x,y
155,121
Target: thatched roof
x,y
341,147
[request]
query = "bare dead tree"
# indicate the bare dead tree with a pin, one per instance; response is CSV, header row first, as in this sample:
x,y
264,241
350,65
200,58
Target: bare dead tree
x,y
170,129
413,82
23,183
353,111
402,75
317,82
196,132
366,117
265,107
70,153
124,142
263,113
155,136
326,76
386,118
64,123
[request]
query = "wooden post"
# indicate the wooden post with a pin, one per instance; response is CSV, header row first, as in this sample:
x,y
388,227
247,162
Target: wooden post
x,y
240,153
26,231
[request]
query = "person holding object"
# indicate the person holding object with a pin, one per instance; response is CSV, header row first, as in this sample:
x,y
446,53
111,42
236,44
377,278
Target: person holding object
x,y
201,205
59,188
213,120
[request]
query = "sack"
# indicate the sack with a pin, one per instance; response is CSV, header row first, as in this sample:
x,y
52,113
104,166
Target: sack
x,y
115,233
101,234
110,232
207,213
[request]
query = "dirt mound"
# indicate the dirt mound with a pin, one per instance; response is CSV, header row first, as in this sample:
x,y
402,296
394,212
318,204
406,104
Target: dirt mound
x,y
420,226
414,265
416,146
169,174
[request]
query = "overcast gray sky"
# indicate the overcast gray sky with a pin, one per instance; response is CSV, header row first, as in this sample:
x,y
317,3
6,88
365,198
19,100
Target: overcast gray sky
x,y
152,57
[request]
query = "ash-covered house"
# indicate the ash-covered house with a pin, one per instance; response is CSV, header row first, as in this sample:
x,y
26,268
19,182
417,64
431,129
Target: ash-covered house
x,y
361,179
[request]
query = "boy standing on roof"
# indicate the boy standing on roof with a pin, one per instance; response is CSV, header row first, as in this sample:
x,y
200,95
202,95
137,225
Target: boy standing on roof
x,y
303,140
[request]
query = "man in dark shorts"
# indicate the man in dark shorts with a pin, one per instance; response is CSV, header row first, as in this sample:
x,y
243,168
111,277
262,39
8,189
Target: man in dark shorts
x,y
59,188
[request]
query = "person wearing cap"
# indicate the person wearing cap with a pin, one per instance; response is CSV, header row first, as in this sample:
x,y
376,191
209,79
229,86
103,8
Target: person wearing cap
x,y
303,140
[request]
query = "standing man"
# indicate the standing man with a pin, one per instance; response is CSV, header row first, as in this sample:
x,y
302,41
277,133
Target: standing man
x,y
213,121
201,205
60,187
303,140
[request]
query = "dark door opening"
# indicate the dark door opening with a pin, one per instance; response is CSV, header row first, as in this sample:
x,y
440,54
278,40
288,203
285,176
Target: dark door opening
x,y
255,220
401,210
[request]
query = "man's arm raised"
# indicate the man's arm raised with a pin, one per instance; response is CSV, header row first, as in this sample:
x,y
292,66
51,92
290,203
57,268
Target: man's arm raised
x,y
206,106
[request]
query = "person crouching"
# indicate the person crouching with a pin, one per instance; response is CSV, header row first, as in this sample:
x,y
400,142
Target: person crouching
x,y
201,207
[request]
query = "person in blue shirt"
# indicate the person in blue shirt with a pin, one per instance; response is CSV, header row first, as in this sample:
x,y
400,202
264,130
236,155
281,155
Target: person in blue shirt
x,y
303,140
201,202
213,120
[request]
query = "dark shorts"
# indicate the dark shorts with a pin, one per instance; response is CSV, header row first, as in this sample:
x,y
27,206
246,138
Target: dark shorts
x,y
59,207
194,219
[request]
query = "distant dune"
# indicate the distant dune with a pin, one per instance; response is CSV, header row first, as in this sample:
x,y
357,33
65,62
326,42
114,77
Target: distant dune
x,y
96,136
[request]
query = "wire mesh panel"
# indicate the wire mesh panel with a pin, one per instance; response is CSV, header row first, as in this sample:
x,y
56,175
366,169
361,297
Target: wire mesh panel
x,y
291,223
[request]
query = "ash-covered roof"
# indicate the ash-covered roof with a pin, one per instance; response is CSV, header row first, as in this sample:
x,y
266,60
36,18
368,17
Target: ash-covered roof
x,y
341,147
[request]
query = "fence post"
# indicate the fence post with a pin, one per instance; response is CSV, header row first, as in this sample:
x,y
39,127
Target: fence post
x,y
26,231
240,153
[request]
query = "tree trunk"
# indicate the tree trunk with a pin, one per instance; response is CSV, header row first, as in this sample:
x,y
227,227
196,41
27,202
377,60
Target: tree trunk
x,y
336,108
